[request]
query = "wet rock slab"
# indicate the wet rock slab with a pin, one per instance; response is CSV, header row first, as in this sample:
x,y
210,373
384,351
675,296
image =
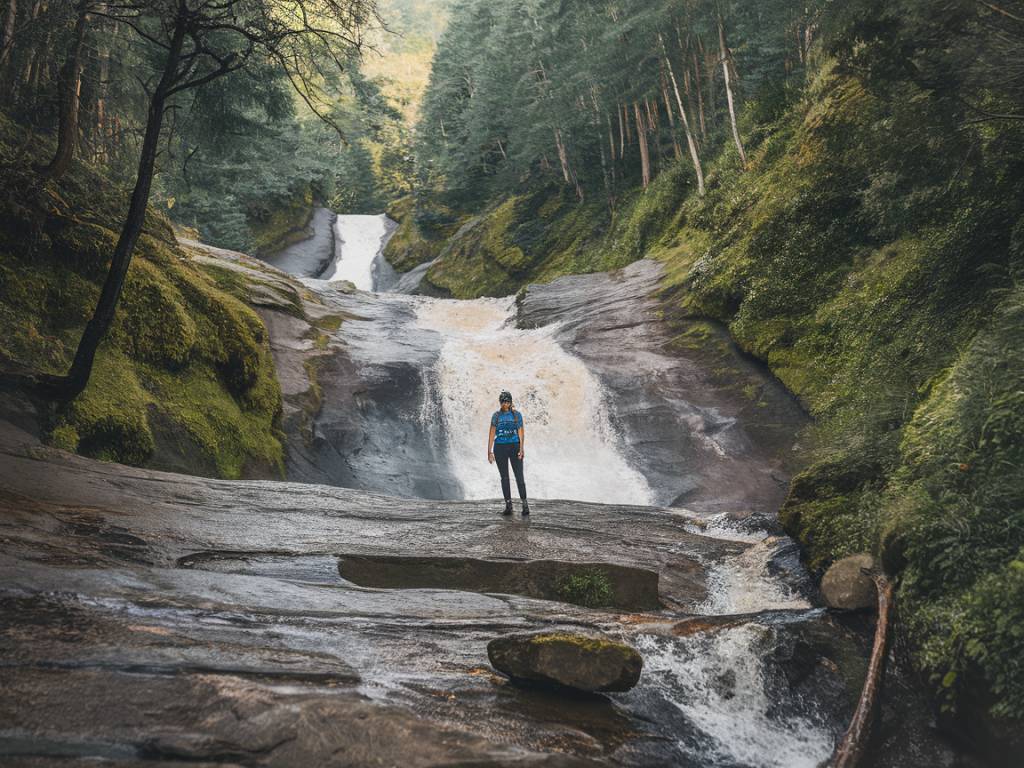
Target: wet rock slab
x,y
150,616
146,615
710,430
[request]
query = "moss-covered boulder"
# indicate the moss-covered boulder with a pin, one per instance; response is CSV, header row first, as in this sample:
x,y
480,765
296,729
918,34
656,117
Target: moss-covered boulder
x,y
583,662
424,226
848,585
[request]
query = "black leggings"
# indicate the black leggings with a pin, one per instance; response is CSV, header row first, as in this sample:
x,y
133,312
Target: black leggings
x,y
503,454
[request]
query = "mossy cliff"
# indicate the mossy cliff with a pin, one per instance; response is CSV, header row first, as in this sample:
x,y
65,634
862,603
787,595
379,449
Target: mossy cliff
x,y
871,254
424,228
276,224
185,378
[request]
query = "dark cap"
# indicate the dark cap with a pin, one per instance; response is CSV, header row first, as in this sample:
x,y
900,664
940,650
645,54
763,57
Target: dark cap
x,y
505,397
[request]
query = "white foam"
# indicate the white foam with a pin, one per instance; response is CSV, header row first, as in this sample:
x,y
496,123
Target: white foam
x,y
717,681
571,447
742,584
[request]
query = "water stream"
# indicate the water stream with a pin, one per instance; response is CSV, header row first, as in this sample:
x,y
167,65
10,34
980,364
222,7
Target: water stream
x,y
359,242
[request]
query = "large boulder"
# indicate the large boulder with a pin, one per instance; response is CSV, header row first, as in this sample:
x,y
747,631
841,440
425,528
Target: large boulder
x,y
583,662
848,583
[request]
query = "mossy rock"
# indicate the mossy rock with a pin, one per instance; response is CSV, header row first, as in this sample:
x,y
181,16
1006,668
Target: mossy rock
x,y
590,663
424,225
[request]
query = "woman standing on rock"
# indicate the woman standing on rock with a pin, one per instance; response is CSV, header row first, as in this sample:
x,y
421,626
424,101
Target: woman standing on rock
x,y
505,442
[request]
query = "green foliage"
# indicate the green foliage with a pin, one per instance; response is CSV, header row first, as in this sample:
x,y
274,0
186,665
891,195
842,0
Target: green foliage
x,y
590,588
108,421
958,515
546,88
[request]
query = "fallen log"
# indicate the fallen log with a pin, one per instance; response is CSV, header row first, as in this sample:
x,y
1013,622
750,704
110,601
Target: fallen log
x,y
851,749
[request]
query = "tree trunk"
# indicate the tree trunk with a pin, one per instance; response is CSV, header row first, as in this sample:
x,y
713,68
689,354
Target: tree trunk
x,y
700,96
671,118
30,56
724,50
690,141
70,99
567,172
563,156
850,751
102,129
611,138
645,153
605,174
622,134
7,34
99,324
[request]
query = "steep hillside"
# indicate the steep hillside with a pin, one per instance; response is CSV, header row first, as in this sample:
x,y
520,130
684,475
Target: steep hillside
x,y
184,381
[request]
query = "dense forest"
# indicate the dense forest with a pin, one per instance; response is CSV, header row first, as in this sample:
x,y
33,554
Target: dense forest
x,y
245,154
840,184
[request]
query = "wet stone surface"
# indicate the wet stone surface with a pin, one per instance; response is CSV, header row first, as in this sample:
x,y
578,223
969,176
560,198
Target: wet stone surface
x,y
156,616
593,585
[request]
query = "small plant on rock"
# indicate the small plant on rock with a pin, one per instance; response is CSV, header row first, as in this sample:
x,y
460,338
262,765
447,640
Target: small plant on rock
x,y
590,588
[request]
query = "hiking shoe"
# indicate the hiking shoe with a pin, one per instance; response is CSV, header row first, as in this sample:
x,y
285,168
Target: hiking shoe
x,y
508,507
526,508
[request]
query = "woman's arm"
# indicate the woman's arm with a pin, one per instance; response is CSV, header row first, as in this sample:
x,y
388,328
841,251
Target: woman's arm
x,y
490,444
522,442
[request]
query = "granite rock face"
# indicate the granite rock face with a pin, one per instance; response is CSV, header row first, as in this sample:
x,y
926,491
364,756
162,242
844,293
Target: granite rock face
x,y
154,616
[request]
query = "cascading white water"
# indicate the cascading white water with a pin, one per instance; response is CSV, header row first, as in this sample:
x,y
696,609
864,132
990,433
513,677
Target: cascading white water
x,y
571,447
717,680
358,242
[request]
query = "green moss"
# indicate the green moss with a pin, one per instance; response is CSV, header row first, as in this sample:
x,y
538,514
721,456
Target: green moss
x,y
65,437
329,323
586,643
423,228
590,588
280,223
153,320
109,417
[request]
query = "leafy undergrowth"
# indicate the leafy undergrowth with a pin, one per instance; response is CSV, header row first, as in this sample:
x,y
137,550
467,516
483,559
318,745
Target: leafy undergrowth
x,y
185,379
872,255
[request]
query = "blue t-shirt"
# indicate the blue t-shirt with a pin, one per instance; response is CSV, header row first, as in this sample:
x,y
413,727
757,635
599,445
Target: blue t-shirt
x,y
506,425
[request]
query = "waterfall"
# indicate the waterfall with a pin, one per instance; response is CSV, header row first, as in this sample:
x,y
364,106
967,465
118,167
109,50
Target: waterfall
x,y
359,241
571,446
719,681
